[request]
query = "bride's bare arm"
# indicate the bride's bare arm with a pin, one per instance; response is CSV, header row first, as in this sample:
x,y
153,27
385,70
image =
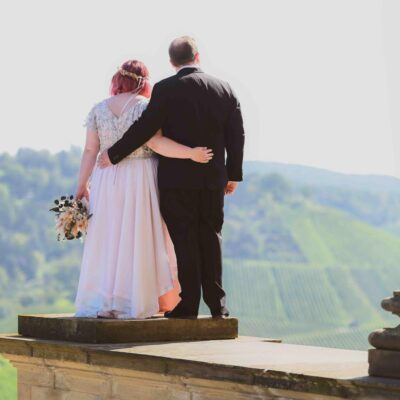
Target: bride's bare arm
x,y
92,147
169,148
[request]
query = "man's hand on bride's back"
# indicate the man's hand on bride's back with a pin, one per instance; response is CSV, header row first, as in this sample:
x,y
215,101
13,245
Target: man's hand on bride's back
x,y
201,154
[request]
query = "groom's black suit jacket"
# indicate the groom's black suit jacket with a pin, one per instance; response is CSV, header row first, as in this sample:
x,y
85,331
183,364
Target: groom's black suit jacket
x,y
195,109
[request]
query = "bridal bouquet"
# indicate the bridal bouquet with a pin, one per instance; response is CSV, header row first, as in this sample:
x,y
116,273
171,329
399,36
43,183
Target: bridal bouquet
x,y
72,217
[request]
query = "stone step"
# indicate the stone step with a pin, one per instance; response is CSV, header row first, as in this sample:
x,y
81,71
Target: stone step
x,y
65,327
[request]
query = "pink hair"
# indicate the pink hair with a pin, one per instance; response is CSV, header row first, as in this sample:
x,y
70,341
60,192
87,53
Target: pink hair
x,y
123,83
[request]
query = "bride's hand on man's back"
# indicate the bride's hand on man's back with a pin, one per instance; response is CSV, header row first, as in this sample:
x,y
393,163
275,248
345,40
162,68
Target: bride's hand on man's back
x,y
201,155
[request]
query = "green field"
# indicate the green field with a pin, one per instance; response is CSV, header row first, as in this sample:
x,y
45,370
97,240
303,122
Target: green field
x,y
8,381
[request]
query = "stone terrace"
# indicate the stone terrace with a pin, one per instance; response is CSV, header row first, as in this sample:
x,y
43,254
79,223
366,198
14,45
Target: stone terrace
x,y
242,368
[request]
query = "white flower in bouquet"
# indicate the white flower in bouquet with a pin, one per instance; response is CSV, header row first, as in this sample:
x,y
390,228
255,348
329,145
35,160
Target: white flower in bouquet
x,y
72,217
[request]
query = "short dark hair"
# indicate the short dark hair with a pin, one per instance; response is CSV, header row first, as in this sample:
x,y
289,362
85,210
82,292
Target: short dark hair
x,y
182,50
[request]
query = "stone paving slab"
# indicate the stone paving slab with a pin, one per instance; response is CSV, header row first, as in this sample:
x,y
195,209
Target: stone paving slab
x,y
101,330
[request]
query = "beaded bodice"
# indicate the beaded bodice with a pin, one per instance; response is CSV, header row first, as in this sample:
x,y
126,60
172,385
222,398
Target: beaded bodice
x,y
110,127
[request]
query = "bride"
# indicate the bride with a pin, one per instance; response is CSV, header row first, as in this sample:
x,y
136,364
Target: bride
x,y
128,266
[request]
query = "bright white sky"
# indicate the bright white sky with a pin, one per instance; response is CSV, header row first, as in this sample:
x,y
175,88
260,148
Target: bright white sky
x,y
316,78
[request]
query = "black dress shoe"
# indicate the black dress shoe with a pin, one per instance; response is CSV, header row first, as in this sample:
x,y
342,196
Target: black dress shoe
x,y
220,314
171,315
181,313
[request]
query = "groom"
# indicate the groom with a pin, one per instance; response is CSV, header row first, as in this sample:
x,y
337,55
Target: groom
x,y
194,109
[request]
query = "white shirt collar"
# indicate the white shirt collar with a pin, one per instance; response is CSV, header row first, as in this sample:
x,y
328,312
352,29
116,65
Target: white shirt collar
x,y
188,66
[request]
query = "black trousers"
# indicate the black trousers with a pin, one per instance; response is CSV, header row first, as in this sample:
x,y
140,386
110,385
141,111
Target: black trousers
x,y
194,218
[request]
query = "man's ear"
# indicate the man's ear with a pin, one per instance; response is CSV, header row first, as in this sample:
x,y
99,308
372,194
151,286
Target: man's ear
x,y
197,58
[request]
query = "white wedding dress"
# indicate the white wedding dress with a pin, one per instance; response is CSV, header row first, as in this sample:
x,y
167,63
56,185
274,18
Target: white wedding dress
x,y
128,259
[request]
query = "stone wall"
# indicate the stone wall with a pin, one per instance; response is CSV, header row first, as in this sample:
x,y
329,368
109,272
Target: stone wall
x,y
237,369
46,379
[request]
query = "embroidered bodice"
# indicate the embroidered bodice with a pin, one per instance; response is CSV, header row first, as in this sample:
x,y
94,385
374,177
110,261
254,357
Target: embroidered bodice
x,y
110,127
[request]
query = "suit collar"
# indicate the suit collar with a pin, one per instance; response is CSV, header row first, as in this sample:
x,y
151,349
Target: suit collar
x,y
189,70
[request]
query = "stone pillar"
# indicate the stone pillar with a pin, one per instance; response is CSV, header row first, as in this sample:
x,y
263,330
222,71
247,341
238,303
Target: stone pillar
x,y
384,359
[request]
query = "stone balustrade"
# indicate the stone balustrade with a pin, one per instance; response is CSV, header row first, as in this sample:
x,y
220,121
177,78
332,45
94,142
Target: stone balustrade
x,y
384,359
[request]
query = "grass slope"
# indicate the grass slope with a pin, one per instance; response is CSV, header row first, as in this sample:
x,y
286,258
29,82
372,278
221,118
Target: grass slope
x,y
8,381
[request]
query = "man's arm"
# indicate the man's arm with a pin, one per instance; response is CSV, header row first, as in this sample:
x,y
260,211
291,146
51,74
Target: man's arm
x,y
142,130
234,142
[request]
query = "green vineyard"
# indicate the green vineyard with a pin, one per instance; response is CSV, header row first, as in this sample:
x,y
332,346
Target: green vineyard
x,y
332,306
